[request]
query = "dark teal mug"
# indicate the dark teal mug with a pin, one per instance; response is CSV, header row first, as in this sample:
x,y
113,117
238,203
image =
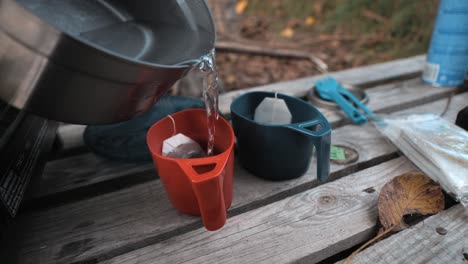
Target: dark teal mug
x,y
281,152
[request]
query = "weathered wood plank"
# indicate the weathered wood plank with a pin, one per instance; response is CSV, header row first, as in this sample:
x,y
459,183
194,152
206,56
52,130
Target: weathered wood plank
x,y
422,243
143,213
457,103
384,98
356,76
83,170
306,227
115,223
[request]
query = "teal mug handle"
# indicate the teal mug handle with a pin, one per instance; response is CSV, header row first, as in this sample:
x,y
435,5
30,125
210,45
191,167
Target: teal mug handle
x,y
320,131
314,128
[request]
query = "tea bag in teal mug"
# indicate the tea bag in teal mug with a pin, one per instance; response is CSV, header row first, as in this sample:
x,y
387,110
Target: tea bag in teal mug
x,y
273,111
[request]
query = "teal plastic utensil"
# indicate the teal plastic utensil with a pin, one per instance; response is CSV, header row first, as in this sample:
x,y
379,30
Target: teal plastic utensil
x,y
330,89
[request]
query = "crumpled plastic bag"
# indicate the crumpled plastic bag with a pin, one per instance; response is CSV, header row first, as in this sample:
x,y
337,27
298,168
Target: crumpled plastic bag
x,y
438,147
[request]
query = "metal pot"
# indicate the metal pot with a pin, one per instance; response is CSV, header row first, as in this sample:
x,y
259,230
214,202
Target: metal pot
x,y
98,61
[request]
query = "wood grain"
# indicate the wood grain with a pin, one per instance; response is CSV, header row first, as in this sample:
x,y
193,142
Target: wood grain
x,y
257,239
142,212
83,170
115,223
111,224
306,227
422,243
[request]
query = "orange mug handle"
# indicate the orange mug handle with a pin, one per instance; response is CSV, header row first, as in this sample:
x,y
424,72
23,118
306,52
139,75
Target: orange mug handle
x,y
207,184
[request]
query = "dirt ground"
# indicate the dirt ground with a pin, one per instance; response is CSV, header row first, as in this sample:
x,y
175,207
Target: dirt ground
x,y
261,42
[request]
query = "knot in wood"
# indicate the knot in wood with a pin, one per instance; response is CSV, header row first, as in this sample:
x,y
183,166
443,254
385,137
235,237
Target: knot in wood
x,y
326,199
441,231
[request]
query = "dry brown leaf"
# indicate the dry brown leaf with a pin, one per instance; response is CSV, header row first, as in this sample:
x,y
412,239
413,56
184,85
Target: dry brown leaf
x,y
309,21
410,193
287,32
241,6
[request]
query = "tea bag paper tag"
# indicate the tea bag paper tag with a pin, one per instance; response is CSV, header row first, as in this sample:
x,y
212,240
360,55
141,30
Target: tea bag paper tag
x,y
182,147
273,111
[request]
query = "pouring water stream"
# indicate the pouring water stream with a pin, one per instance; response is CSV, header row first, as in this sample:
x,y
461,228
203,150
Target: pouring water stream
x,y
207,65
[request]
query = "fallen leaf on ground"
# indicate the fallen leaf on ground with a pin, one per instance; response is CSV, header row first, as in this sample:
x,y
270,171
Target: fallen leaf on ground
x,y
309,21
410,193
287,32
241,6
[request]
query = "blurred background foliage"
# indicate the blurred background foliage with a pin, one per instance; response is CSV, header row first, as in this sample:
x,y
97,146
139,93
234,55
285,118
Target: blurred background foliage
x,y
341,33
381,29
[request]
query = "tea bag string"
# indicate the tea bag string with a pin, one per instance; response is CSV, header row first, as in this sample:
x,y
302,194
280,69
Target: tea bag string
x,y
273,114
173,125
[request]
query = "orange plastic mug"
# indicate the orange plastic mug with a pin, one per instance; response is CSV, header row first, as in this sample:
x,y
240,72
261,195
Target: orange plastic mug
x,y
200,186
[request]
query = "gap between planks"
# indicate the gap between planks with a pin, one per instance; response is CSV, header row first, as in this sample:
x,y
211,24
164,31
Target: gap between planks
x,y
118,222
422,243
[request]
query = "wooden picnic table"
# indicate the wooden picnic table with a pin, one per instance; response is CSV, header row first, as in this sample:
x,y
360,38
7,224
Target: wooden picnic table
x,y
86,209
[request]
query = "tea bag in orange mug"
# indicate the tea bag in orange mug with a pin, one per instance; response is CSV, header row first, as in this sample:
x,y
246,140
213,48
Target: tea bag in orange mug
x,y
180,146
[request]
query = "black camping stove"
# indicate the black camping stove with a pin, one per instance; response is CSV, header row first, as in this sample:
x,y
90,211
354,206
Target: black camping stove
x,y
25,141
